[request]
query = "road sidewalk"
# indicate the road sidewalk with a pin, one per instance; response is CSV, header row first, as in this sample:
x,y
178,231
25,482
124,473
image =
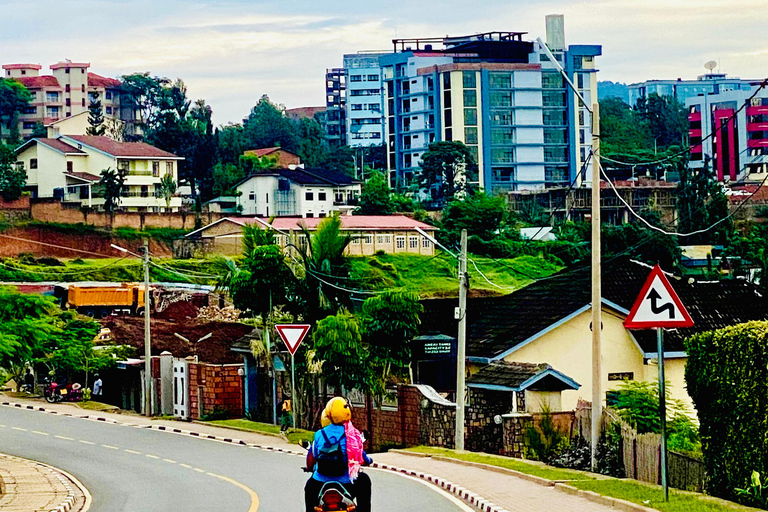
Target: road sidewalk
x,y
28,486
487,490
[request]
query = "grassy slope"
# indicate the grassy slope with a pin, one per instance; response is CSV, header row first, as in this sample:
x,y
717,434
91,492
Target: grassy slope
x,y
294,435
437,276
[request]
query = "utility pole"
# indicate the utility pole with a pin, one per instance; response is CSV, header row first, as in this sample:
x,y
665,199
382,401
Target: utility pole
x,y
462,342
147,348
597,399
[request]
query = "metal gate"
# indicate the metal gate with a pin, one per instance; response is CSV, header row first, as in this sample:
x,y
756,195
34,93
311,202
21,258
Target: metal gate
x,y
180,389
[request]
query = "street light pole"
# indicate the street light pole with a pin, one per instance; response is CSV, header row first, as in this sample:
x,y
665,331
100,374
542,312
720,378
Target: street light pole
x,y
597,325
147,347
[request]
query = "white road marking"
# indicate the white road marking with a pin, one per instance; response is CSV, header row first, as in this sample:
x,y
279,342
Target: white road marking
x,y
19,428
40,433
133,452
185,466
152,456
439,490
64,438
170,461
199,470
110,447
86,442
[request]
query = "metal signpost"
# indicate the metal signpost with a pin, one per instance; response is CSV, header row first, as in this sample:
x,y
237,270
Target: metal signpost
x,y
293,335
658,307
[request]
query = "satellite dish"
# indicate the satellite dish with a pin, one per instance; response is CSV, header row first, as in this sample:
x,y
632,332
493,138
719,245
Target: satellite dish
x,y
710,65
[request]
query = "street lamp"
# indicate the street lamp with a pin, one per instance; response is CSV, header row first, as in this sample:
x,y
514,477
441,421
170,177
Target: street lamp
x,y
147,347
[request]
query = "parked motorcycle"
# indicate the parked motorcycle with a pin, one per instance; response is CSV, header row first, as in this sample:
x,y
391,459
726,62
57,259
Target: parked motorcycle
x,y
55,393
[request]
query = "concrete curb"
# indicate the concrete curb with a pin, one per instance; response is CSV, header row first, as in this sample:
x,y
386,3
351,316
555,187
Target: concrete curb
x,y
67,480
465,495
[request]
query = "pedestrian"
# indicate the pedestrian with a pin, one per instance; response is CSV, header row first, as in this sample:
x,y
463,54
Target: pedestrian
x,y
29,381
286,420
97,390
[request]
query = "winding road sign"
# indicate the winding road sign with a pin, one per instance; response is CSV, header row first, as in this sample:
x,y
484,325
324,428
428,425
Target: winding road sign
x,y
657,306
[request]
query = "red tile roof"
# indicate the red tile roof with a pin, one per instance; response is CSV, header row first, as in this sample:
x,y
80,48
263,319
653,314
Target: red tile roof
x,y
37,81
348,223
120,149
95,80
59,145
264,151
22,66
83,176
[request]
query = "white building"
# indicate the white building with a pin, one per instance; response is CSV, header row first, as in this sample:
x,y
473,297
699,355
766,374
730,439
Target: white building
x,y
364,111
69,166
297,193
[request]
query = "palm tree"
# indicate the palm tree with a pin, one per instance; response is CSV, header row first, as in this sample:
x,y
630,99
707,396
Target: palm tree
x,y
166,190
112,184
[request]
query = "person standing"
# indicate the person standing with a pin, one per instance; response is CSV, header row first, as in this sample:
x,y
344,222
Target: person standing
x,y
97,386
29,381
286,420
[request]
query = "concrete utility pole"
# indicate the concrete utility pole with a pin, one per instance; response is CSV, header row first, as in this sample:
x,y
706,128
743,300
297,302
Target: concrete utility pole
x,y
462,342
147,348
597,326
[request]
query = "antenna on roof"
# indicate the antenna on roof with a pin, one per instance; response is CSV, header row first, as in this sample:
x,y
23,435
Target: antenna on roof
x,y
710,65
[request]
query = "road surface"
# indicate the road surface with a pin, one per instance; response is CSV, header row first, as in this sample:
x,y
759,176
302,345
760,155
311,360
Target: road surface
x,y
127,469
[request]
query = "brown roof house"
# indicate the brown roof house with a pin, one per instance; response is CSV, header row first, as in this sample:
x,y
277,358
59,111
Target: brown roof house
x,y
282,157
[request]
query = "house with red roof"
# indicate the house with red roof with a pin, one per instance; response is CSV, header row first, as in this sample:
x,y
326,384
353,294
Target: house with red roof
x,y
66,92
68,168
282,157
392,234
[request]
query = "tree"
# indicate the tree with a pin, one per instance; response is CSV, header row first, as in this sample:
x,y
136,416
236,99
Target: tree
x,y
375,198
13,177
95,119
337,342
167,189
112,185
481,215
310,142
389,321
267,126
341,159
667,119
13,98
444,170
701,201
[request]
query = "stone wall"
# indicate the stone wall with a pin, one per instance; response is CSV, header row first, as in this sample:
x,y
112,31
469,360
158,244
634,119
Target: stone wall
x,y
218,386
14,211
482,434
514,427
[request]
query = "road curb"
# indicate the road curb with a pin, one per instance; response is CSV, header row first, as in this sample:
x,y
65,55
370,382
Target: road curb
x,y
67,480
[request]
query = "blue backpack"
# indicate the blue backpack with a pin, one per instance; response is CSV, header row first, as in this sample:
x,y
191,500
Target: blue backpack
x,y
331,460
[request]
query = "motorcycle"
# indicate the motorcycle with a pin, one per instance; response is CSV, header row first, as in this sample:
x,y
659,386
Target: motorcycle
x,y
333,496
55,393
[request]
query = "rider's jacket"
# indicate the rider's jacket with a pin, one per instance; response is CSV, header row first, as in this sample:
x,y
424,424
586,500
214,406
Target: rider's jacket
x,y
333,433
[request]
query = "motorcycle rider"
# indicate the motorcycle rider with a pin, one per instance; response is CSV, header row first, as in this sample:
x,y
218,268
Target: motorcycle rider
x,y
338,435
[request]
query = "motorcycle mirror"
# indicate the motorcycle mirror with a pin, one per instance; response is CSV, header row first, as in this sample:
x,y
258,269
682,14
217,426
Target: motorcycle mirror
x,y
304,444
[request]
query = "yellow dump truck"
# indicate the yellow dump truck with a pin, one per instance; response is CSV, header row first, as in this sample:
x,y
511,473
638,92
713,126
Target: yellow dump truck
x,y
103,301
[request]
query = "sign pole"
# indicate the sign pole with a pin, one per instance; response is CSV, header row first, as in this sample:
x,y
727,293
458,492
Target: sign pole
x,y
293,389
662,411
292,335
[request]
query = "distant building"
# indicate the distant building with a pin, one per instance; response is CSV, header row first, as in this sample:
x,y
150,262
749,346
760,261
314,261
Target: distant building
x,y
335,115
304,193
496,92
66,92
284,157
304,112
392,234
682,90
69,166
739,151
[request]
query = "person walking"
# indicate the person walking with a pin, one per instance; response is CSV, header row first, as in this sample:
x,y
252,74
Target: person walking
x,y
97,386
286,416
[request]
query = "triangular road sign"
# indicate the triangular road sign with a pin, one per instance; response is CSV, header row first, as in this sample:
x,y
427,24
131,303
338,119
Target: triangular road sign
x,y
292,335
658,305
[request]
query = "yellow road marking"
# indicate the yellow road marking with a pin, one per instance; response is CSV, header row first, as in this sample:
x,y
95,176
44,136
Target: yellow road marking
x,y
86,442
185,466
152,456
254,497
169,461
110,447
133,452
19,428
39,433
199,470
64,438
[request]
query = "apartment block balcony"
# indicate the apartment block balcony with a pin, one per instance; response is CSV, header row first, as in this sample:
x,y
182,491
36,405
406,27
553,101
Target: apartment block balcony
x,y
757,110
757,127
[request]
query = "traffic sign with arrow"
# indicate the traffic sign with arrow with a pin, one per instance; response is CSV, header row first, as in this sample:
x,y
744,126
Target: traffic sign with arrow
x,y
657,306
292,335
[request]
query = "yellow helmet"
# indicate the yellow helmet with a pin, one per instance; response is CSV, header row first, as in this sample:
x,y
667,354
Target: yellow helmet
x,y
325,419
338,411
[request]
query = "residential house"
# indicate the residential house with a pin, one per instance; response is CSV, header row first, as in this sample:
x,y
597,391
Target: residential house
x,y
297,192
392,234
549,322
78,125
283,158
67,167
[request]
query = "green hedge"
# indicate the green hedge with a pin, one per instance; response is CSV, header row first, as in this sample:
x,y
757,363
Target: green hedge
x,y
727,377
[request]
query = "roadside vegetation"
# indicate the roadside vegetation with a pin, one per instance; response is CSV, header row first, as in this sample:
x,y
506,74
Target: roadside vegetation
x,y
294,435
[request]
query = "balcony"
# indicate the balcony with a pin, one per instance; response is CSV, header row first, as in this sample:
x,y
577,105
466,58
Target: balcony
x,y
757,127
695,116
757,110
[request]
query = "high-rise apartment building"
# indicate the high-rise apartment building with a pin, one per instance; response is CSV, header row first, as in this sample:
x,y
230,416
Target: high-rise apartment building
x,y
738,150
363,109
711,83
66,92
335,114
496,92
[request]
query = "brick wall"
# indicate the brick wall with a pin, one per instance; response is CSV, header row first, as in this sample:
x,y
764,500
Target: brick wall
x,y
218,385
13,211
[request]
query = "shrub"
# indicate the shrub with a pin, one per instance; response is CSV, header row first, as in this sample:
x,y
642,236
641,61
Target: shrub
x,y
610,459
218,413
545,442
755,493
577,456
727,377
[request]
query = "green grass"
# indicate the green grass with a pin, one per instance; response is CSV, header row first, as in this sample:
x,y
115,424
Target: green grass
x,y
294,436
653,496
97,406
528,468
437,276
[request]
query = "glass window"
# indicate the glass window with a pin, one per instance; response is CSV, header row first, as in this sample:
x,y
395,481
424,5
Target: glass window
x,y
425,242
357,107
555,154
446,80
554,117
473,153
368,239
447,99
400,242
502,155
470,98
502,136
469,79
500,80
502,118
413,242
309,196
33,163
552,81
470,116
554,136
501,99
553,99
448,118
470,135
355,78
321,196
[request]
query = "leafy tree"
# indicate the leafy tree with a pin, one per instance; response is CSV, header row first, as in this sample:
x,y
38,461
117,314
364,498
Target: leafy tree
x,y
667,119
389,322
13,177
251,164
375,198
267,126
310,145
701,201
445,167
224,177
337,342
13,98
167,189
341,159
95,119
481,215
230,142
112,185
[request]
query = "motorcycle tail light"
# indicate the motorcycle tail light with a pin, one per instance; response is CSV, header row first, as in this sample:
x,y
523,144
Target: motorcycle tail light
x,y
333,500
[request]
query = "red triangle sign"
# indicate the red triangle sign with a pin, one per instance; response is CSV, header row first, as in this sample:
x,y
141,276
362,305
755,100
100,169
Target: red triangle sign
x,y
292,335
658,305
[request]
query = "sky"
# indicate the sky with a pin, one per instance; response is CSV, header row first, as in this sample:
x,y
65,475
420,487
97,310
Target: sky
x,y
232,52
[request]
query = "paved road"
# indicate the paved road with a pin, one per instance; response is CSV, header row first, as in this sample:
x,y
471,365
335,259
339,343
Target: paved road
x,y
128,469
